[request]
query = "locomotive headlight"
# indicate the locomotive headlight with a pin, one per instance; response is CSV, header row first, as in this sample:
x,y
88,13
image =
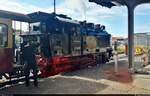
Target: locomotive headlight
x,y
73,29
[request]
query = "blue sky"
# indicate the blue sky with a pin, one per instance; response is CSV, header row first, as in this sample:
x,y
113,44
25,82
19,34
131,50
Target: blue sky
x,y
115,19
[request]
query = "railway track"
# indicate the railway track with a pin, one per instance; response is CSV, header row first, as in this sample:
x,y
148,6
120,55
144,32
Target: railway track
x,y
22,79
14,81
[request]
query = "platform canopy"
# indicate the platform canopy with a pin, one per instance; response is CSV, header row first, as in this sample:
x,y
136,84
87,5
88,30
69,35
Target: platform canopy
x,y
111,3
108,3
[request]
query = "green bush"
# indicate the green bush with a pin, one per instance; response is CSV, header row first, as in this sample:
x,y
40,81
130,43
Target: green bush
x,y
16,40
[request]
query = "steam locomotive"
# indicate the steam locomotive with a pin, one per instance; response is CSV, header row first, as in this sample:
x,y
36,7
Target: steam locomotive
x,y
64,43
67,44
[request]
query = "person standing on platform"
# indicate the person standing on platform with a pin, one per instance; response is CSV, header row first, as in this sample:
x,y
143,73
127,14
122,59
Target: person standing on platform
x,y
30,61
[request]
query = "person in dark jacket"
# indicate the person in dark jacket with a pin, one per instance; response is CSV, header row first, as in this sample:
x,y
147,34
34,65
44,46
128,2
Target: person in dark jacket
x,y
30,62
110,52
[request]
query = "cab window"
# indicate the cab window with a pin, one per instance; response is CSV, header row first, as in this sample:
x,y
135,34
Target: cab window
x,y
3,35
35,27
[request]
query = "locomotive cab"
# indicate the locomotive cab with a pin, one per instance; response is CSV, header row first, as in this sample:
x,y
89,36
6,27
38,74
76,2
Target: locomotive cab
x,y
64,34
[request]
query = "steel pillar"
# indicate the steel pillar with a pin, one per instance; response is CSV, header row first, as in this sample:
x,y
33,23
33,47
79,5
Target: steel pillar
x,y
131,36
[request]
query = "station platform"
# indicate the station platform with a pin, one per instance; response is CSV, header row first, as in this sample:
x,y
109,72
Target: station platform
x,y
98,79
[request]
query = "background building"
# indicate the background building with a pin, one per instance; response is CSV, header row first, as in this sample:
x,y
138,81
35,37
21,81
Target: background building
x,y
142,39
121,41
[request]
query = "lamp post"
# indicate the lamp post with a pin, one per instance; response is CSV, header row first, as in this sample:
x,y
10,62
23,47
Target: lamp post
x,y
116,58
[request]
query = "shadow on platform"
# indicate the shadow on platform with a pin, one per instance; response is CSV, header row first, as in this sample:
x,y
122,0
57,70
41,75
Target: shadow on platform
x,y
58,85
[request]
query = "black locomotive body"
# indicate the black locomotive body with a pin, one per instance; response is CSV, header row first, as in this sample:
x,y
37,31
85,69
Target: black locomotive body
x,y
62,37
64,43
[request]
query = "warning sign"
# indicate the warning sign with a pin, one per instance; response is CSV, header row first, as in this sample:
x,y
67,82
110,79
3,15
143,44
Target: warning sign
x,y
138,50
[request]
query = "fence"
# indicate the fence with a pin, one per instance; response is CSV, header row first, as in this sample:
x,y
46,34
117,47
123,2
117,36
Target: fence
x,y
141,45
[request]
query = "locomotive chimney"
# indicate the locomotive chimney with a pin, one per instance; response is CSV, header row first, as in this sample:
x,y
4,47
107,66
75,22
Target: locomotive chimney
x,y
83,23
54,7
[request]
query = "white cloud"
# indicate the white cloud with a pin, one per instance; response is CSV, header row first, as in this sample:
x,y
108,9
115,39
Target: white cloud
x,y
97,21
15,4
21,7
67,7
12,6
97,9
105,16
142,28
77,7
63,9
143,9
119,35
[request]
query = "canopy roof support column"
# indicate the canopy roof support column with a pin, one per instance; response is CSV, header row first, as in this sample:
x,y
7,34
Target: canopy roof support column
x,y
131,36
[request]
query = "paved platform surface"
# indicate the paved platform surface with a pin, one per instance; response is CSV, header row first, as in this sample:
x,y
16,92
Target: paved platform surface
x,y
92,80
141,81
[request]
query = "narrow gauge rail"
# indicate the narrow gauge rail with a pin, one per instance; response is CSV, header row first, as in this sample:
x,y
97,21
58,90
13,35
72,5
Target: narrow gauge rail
x,y
64,43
